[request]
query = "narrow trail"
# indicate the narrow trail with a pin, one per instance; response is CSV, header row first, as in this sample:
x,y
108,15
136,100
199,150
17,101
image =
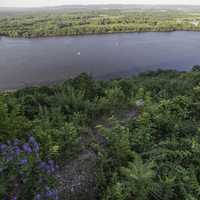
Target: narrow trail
x,y
78,178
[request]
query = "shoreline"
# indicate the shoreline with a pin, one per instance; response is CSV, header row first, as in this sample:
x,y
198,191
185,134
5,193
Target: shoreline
x,y
60,82
94,34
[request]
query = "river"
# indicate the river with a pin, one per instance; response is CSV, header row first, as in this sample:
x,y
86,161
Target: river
x,y
25,62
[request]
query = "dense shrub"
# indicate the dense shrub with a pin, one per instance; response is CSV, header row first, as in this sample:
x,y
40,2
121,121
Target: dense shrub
x,y
23,174
152,154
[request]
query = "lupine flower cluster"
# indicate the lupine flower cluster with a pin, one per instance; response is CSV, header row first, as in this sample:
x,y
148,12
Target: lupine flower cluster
x,y
23,172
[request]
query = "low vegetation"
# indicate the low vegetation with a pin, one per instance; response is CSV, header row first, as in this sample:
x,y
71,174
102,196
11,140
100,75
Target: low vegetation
x,y
151,155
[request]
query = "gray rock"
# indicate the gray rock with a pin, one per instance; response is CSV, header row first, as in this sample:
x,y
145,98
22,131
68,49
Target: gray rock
x,y
77,179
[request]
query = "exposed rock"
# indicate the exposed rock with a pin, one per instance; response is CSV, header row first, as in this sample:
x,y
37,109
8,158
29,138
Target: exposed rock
x,y
78,178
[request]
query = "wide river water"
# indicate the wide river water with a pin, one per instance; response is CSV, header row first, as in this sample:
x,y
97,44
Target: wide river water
x,y
25,62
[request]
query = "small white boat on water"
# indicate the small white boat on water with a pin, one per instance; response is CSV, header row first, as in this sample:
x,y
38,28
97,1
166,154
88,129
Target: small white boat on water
x,y
78,53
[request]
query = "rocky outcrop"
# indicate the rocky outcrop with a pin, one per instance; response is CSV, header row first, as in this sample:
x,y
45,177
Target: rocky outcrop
x,y
78,178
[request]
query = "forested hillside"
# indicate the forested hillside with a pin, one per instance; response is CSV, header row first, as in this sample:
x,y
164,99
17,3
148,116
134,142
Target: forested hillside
x,y
57,23
139,138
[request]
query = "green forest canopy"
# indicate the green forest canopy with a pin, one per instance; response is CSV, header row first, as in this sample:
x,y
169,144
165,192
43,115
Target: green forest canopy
x,y
38,24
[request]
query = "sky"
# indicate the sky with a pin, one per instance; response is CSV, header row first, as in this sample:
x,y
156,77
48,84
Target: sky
x,y
39,3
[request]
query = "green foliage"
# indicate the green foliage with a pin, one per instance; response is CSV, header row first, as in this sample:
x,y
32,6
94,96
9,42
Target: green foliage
x,y
113,99
12,121
119,146
139,179
37,24
23,174
154,155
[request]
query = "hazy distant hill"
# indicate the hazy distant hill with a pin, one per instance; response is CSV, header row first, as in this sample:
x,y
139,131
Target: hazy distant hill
x,y
79,8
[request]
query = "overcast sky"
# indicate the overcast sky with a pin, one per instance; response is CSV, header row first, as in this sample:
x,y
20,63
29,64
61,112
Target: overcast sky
x,y
36,3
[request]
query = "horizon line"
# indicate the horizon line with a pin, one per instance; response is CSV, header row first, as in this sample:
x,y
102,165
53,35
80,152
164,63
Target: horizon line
x,y
96,4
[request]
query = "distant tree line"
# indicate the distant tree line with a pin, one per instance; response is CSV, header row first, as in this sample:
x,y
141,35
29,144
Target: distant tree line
x,y
96,22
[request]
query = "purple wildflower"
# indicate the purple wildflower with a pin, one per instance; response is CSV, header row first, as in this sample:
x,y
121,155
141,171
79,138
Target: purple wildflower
x,y
37,197
34,144
27,148
51,165
51,194
3,147
32,139
9,157
57,167
17,150
12,152
16,142
42,165
51,162
23,161
48,167
36,147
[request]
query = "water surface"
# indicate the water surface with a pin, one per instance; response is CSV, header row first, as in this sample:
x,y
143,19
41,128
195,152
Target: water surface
x,y
26,62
